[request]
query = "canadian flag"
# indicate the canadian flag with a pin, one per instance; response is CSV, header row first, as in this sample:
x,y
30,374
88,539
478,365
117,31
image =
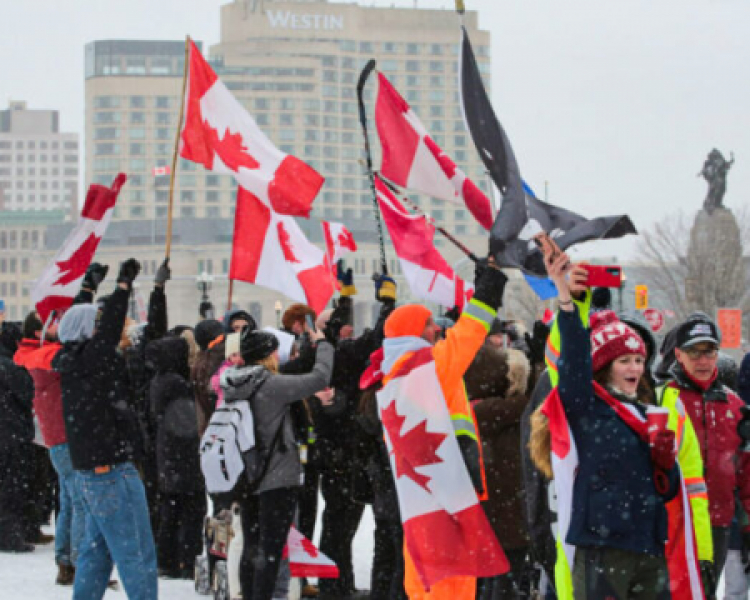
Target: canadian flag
x,y
305,560
270,250
445,528
61,280
339,240
429,276
161,171
219,134
413,160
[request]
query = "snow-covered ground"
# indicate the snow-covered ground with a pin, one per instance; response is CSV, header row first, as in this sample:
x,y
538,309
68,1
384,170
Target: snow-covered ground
x,y
32,576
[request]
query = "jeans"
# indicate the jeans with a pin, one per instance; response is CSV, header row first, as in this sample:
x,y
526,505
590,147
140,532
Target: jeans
x,y
70,520
117,528
736,581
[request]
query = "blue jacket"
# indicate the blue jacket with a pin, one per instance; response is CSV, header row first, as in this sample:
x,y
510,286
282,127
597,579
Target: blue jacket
x,y
615,502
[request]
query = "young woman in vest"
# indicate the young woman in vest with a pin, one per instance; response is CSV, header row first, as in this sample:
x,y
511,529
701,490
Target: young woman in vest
x,y
620,484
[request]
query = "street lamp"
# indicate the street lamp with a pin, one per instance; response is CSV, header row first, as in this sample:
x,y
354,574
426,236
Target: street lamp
x,y
278,307
203,282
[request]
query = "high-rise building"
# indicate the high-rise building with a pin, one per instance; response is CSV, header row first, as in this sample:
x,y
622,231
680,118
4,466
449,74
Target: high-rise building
x,y
294,66
38,163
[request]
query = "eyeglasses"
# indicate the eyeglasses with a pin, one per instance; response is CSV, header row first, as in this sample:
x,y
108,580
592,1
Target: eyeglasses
x,y
696,353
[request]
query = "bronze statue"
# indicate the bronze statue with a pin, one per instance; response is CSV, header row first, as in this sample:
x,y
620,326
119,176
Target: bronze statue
x,y
715,171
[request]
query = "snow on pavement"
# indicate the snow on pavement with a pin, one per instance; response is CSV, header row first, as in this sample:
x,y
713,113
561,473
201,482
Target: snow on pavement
x,y
33,575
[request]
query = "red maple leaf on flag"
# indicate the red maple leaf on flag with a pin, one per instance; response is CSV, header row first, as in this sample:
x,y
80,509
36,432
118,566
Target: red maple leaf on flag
x,y
416,448
75,266
285,243
230,149
346,240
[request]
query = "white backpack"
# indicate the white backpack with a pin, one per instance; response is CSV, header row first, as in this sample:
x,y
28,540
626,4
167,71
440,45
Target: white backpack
x,y
225,446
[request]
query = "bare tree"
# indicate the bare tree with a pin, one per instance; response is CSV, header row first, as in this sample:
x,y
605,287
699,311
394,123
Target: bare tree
x,y
696,263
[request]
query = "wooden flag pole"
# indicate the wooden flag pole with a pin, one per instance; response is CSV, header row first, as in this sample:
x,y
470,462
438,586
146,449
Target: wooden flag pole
x,y
229,296
168,247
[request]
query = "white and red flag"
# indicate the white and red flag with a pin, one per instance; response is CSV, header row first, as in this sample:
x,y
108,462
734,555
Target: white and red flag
x,y
161,171
412,159
220,134
429,276
271,250
60,282
339,240
305,560
446,530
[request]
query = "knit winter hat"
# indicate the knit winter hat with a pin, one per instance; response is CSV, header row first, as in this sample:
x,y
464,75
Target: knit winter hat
x,y
77,323
407,320
257,345
206,332
611,339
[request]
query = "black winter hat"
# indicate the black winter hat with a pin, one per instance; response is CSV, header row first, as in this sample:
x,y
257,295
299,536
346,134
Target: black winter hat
x,y
10,337
601,299
257,345
206,332
235,314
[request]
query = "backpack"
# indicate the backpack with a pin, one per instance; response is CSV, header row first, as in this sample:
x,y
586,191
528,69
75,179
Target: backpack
x,y
227,444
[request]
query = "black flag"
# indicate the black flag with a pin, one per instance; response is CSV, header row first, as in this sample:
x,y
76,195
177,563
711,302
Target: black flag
x,y
521,215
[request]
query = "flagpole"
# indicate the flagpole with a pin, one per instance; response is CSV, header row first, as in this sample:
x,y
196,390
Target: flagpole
x,y
229,296
168,235
363,120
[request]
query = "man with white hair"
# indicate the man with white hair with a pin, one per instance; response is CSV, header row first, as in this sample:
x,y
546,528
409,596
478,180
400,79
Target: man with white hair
x,y
101,428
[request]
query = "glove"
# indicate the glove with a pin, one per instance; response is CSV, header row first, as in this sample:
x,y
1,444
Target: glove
x,y
489,285
385,288
345,279
95,274
453,314
708,577
663,450
129,271
163,273
537,342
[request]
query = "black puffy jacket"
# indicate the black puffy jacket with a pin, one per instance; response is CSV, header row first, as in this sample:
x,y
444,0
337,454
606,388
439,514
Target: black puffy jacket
x,y
173,409
16,394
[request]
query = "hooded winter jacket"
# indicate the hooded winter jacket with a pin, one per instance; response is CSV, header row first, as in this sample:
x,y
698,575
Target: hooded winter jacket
x,y
16,393
37,360
100,424
714,414
173,409
496,385
270,403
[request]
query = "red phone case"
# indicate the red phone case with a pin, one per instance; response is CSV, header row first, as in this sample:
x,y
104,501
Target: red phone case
x,y
603,276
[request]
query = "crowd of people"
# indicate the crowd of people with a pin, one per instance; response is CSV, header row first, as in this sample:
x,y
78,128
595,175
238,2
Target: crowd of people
x,y
584,439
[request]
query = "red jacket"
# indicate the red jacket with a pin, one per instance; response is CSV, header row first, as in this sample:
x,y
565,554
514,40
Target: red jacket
x,y
715,414
47,395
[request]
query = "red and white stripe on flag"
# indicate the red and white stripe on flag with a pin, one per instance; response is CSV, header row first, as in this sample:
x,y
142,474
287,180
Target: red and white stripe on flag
x,y
60,282
220,134
161,171
271,250
305,560
429,276
445,528
413,160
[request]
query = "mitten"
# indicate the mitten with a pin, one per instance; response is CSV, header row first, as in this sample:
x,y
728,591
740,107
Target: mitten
x,y
346,279
129,271
163,273
95,274
385,288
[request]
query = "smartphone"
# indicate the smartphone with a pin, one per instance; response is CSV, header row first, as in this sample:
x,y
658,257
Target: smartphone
x,y
603,276
310,322
2,306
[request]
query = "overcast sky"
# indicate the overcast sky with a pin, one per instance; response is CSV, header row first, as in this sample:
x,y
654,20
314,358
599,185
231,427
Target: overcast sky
x,y
615,103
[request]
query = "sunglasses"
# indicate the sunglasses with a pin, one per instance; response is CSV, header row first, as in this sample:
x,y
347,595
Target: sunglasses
x,y
696,353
